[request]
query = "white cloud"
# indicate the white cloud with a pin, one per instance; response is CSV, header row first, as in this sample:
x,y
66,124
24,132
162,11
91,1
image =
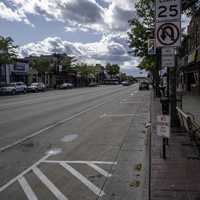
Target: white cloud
x,y
12,15
76,14
109,49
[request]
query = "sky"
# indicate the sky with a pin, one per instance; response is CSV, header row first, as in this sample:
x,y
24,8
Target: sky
x,y
94,31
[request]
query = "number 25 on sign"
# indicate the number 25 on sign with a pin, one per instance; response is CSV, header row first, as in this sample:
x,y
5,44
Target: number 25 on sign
x,y
167,10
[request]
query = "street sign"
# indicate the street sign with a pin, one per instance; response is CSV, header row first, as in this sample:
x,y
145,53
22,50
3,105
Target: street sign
x,y
163,126
168,61
168,51
167,10
151,47
168,57
168,34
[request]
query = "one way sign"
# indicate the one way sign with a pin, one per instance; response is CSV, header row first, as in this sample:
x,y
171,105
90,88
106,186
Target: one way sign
x,y
168,34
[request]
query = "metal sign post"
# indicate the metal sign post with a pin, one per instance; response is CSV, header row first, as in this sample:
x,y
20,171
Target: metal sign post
x,y
168,34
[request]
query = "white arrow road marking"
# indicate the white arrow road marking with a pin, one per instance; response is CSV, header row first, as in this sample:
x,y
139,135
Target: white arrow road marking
x,y
27,189
99,169
59,195
84,180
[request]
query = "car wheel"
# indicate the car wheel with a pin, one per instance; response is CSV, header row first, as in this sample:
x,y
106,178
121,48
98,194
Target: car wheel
x,y
13,92
24,91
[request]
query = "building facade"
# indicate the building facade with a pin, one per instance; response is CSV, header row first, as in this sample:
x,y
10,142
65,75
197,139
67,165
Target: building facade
x,y
17,72
189,60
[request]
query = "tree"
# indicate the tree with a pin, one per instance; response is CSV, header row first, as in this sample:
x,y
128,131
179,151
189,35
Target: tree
x,y
190,7
7,50
142,29
42,65
112,70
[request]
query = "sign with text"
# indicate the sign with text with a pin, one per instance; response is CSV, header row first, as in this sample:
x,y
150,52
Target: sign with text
x,y
168,61
168,51
163,126
151,47
168,34
167,10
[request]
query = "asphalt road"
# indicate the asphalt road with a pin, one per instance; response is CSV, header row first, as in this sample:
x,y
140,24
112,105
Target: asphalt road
x,y
80,144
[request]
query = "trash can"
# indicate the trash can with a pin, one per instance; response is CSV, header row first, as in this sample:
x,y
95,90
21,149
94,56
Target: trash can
x,y
165,105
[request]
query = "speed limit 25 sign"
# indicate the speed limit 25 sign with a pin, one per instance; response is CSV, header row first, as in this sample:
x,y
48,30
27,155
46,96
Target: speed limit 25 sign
x,y
167,10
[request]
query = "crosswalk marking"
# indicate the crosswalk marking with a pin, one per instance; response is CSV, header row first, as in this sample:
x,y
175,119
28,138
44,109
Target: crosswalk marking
x,y
59,195
100,170
27,189
84,180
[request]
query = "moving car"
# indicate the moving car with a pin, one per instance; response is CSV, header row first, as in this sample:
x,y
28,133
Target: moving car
x,y
143,85
35,87
13,88
66,86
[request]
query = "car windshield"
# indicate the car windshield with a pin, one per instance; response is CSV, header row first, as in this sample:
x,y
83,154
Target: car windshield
x,y
11,85
34,84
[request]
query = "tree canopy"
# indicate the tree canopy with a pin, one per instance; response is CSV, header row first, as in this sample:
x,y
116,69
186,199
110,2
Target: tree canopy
x,y
112,69
7,50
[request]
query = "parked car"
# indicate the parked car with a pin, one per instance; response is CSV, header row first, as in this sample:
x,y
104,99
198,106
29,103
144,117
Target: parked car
x,y
13,88
66,86
92,84
35,87
143,85
125,83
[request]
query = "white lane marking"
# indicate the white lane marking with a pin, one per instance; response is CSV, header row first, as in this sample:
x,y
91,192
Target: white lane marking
x,y
121,115
49,127
129,102
22,174
27,189
57,193
99,169
84,180
80,162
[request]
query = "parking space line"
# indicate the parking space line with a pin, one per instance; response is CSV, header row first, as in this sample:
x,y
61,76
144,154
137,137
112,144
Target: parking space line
x,y
121,115
57,193
99,169
22,174
27,189
80,162
84,180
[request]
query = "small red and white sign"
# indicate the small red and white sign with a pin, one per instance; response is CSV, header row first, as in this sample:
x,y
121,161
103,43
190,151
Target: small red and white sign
x,y
163,126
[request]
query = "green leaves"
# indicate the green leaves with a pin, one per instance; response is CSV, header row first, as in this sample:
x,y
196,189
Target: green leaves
x,y
7,50
112,69
142,30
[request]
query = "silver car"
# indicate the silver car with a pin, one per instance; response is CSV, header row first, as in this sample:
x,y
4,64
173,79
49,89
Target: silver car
x,y
35,87
13,88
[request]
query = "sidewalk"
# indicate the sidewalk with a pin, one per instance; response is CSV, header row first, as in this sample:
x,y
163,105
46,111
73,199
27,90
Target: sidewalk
x,y
177,177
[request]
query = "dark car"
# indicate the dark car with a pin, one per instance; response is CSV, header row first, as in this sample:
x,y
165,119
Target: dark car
x,y
143,85
125,83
